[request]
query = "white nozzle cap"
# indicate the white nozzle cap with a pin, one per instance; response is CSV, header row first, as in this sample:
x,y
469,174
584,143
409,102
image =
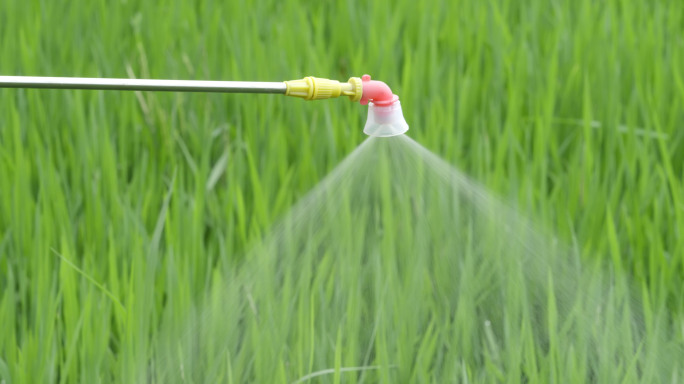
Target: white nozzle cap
x,y
385,120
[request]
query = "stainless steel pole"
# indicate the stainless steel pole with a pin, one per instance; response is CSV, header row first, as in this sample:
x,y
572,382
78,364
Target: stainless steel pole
x,y
142,84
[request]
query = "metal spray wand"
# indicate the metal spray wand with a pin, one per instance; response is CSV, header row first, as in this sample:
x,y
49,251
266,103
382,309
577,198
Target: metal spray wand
x,y
385,117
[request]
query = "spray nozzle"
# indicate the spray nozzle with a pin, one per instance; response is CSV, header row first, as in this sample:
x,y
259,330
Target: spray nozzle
x,y
377,92
385,117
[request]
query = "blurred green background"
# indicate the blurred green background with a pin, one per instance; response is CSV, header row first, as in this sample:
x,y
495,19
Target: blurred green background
x,y
571,110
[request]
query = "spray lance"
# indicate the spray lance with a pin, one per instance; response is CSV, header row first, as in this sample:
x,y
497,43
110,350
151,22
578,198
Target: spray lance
x,y
385,117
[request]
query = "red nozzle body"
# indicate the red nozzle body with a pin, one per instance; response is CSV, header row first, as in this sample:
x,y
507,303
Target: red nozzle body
x,y
377,92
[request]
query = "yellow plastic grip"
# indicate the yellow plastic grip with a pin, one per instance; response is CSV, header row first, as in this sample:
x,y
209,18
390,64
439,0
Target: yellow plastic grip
x,y
314,88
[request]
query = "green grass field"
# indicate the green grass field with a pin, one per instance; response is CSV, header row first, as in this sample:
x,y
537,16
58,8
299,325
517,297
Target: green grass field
x,y
127,219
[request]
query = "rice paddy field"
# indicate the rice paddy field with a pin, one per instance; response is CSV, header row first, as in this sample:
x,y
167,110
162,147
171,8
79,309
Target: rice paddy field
x,y
529,228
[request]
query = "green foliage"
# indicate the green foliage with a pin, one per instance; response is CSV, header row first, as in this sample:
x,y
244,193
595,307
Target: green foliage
x,y
122,214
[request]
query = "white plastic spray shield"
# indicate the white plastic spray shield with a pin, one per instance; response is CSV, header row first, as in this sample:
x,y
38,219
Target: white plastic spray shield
x,y
385,121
